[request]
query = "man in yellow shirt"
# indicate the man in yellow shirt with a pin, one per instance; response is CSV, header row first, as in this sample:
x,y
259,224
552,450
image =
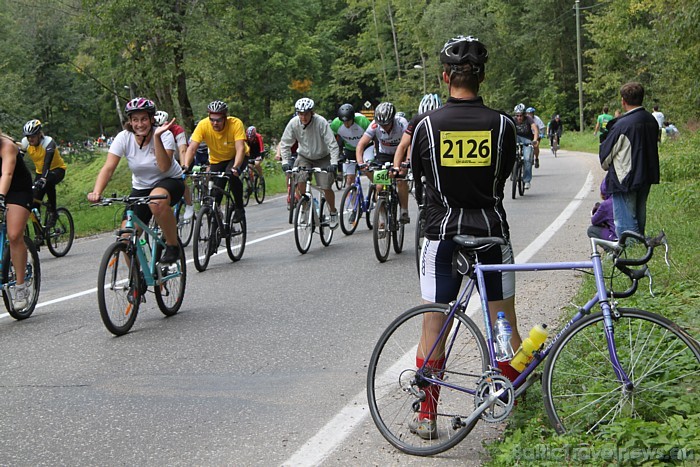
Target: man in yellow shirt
x,y
225,137
49,165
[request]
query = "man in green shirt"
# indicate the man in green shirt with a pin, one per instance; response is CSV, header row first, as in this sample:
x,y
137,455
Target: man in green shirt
x,y
602,123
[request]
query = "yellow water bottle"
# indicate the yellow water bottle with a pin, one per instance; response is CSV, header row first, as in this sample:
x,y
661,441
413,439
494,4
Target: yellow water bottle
x,y
524,355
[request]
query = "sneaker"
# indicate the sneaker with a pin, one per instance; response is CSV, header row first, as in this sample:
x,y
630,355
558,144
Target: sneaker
x,y
527,185
51,221
405,218
21,296
189,212
333,223
238,215
425,428
537,162
171,255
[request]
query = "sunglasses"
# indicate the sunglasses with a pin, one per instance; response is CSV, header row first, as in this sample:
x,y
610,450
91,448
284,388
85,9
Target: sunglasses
x,y
217,120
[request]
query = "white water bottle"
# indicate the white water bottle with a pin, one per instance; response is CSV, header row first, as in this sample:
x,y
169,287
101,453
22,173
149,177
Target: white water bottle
x,y
502,333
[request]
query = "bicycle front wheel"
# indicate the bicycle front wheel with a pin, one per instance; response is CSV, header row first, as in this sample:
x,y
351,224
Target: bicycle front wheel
x,y
247,189
32,279
119,288
397,230
381,234
324,230
185,227
582,393
395,390
259,189
236,238
419,237
349,210
204,236
514,179
371,202
171,289
303,224
291,200
61,235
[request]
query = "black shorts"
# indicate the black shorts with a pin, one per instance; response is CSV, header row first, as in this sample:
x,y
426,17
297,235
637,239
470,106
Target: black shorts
x,y
22,198
175,188
383,158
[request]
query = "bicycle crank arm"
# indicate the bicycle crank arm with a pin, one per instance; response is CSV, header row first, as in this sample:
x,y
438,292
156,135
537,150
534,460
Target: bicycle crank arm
x,y
482,408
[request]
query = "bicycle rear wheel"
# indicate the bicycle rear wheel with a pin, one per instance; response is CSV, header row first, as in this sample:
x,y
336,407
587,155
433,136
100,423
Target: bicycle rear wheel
x,y
371,202
581,391
236,238
247,188
32,278
521,182
303,224
349,210
514,179
419,236
324,230
119,288
171,291
61,235
394,388
185,227
204,235
259,189
397,230
381,233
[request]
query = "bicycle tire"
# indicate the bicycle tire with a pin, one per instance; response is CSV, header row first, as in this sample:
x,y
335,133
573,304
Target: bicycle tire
x,y
185,227
514,178
61,235
303,224
32,277
392,384
521,182
419,237
202,245
118,288
324,230
397,229
349,210
381,234
291,204
259,189
236,237
247,189
339,181
170,293
580,388
371,202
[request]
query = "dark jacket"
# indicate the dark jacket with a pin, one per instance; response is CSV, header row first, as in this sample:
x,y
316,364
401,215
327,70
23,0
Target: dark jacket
x,y
630,152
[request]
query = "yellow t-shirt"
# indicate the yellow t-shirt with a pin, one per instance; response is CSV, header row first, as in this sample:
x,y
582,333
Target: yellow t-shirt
x,y
222,144
38,153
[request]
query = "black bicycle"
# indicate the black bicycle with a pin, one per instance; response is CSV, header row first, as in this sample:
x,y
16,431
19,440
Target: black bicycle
x,y
517,175
388,229
56,233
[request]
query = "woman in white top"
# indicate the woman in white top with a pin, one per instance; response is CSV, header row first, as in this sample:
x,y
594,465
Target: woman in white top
x,y
148,150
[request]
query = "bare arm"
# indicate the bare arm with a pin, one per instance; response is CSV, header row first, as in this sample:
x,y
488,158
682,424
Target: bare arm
x,y
9,160
104,177
360,149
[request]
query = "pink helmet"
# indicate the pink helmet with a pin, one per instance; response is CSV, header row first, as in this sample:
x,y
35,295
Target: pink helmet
x,y
140,104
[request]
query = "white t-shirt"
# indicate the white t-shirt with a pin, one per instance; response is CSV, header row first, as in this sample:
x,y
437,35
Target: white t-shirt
x,y
142,162
388,142
659,118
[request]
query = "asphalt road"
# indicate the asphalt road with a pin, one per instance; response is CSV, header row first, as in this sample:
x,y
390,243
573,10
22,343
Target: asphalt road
x,y
265,364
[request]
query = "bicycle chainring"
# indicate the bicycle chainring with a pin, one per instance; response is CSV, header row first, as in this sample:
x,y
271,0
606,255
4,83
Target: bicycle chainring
x,y
501,408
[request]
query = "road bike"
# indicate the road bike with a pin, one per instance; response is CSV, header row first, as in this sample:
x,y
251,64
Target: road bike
x,y
311,213
212,225
253,184
388,229
353,205
517,174
599,368
57,236
32,275
131,265
554,142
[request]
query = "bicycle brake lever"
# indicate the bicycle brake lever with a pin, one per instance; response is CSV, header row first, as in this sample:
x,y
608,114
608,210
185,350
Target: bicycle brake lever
x,y
651,282
666,250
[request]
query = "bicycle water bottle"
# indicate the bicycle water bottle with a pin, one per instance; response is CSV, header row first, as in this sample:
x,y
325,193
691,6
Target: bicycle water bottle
x,y
503,332
146,249
524,355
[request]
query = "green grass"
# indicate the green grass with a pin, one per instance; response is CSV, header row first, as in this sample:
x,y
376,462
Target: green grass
x,y
673,206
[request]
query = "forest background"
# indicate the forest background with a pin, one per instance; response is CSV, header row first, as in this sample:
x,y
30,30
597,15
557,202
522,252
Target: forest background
x,y
74,63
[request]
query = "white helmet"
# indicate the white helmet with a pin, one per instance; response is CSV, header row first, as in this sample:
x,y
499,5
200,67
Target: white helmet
x,y
304,105
428,103
162,117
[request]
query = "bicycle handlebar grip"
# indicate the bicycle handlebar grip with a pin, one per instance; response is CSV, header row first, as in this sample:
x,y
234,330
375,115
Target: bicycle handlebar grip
x,y
634,261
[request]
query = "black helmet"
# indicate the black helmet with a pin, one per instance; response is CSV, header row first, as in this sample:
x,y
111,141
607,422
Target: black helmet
x,y
385,113
460,49
346,113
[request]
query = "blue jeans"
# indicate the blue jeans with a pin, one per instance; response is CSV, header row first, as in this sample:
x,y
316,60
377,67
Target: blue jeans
x,y
527,159
630,210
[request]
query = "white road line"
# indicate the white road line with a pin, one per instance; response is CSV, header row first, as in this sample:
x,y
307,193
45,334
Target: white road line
x,y
326,440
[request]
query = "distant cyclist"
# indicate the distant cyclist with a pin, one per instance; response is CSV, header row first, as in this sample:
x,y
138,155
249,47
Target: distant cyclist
x,y
49,166
387,128
256,149
530,111
226,140
528,134
317,149
178,132
348,128
554,130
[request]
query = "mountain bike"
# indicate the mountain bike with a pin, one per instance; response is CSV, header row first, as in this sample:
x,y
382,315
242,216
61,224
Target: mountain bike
x,y
212,225
253,184
32,275
599,368
517,174
58,237
353,205
388,229
311,213
131,265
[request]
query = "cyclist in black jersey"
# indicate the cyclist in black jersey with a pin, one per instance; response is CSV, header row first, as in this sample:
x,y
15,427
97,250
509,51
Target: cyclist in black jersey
x,y
466,152
15,200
